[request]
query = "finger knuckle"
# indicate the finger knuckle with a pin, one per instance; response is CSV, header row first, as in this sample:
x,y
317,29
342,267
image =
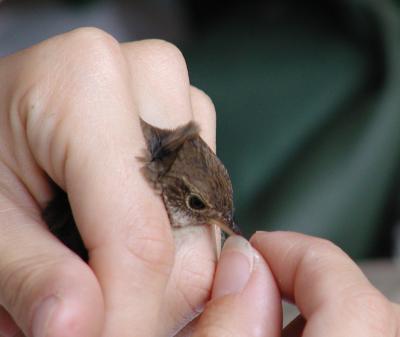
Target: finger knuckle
x,y
163,57
201,94
319,249
74,62
208,108
82,49
90,53
88,33
318,256
72,67
89,39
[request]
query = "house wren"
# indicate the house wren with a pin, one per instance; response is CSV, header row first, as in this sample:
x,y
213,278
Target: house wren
x,y
192,181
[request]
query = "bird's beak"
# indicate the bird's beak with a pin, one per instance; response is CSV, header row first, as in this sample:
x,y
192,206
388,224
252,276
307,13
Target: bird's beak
x,y
228,226
230,229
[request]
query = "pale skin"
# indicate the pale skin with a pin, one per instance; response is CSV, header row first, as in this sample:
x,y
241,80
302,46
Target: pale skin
x,y
69,109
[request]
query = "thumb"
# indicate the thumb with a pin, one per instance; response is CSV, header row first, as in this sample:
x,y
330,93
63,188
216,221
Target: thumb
x,y
243,296
44,287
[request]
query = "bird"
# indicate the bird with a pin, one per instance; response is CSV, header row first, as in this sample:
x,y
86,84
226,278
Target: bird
x,y
179,165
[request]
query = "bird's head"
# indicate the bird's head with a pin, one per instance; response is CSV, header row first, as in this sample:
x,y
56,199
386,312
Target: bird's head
x,y
194,183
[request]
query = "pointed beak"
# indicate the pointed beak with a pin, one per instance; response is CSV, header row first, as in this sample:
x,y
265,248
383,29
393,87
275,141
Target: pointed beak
x,y
231,228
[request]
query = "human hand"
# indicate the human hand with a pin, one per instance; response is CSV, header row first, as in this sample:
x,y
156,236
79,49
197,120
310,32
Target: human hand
x,y
333,295
69,109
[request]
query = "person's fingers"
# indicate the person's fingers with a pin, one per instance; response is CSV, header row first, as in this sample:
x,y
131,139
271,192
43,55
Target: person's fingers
x,y
166,100
83,129
159,82
204,114
330,290
45,288
133,253
75,99
245,299
396,308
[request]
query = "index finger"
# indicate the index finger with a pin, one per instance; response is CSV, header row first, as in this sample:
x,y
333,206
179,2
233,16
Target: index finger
x,y
330,290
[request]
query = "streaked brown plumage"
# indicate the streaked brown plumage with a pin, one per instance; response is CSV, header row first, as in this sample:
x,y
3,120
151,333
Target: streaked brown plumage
x,y
194,184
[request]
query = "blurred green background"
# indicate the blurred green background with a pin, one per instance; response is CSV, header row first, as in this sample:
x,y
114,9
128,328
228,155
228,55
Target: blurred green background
x,y
307,97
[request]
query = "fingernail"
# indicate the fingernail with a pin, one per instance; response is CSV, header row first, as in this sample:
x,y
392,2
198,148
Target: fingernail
x,y
234,267
43,316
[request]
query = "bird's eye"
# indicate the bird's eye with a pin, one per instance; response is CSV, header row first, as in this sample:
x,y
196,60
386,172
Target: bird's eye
x,y
195,202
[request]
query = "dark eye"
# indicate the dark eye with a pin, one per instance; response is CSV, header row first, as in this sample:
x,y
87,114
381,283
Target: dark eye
x,y
195,202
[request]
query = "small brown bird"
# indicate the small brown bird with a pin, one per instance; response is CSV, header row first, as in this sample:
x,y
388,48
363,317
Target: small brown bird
x,y
193,182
